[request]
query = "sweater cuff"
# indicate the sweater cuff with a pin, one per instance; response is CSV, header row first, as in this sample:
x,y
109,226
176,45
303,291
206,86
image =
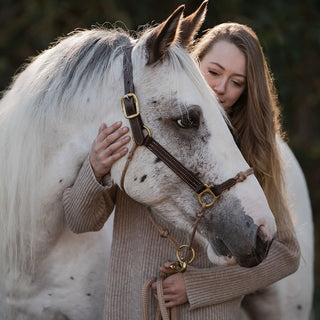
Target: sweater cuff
x,y
86,174
87,201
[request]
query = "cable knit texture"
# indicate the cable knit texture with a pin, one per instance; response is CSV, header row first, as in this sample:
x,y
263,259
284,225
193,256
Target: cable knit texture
x,y
138,251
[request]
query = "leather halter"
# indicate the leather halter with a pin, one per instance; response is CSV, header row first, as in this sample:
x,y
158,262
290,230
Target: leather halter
x,y
131,111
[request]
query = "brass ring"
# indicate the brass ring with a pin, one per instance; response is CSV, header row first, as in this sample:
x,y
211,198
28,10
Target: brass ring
x,y
148,130
207,190
181,259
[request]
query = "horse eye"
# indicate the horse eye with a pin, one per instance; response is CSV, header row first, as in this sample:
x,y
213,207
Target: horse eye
x,y
184,124
190,120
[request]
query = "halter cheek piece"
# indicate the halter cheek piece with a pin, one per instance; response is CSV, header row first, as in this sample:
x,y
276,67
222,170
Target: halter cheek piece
x,y
131,111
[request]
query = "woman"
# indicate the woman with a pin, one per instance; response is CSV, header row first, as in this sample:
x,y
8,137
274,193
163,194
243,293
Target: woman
x,y
233,64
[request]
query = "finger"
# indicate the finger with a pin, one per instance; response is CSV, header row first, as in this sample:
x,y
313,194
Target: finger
x,y
112,138
170,300
170,304
167,270
115,147
109,161
169,297
102,127
167,291
173,300
170,281
102,166
108,130
100,145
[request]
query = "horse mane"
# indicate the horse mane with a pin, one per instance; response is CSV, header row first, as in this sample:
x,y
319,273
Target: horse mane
x,y
50,94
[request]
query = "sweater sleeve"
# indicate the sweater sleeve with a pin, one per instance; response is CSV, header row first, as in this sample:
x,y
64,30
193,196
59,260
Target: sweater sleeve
x,y
223,283
87,203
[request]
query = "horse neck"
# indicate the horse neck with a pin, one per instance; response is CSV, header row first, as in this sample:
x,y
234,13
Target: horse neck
x,y
46,145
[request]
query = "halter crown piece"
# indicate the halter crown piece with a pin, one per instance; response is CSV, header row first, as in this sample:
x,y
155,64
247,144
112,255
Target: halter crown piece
x,y
131,111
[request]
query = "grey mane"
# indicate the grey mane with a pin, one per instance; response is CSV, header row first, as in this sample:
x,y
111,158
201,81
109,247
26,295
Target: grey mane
x,y
78,59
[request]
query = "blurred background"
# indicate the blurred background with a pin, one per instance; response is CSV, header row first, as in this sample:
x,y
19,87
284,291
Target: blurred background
x,y
289,32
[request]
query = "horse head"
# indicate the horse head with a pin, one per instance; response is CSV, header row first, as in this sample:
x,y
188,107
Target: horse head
x,y
182,114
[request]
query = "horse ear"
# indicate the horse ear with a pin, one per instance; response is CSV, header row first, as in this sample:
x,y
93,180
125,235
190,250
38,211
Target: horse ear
x,y
190,25
163,36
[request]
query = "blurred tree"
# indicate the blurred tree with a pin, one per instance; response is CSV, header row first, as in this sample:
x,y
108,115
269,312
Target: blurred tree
x,y
28,27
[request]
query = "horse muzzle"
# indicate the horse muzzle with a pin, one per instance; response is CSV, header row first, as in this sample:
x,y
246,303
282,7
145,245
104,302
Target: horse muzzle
x,y
258,253
248,245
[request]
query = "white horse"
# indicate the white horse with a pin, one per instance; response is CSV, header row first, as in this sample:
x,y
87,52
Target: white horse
x,y
48,120
290,298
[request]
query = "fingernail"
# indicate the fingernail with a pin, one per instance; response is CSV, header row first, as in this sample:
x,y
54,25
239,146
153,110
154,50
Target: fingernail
x,y
125,129
118,123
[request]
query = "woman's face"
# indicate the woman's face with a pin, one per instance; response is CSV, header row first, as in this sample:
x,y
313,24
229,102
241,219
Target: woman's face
x,y
224,69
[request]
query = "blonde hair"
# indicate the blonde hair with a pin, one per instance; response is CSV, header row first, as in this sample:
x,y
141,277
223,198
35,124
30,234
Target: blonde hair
x,y
255,116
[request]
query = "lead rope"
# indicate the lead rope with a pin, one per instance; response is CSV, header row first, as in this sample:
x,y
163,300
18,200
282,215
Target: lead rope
x,y
130,156
162,312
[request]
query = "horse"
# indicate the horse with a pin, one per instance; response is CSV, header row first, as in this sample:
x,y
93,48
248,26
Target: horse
x,y
48,120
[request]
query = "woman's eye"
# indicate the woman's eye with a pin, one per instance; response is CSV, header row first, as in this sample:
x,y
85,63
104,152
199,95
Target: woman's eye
x,y
213,72
236,83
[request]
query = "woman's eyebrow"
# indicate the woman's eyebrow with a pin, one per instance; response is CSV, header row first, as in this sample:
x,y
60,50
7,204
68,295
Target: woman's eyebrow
x,y
218,64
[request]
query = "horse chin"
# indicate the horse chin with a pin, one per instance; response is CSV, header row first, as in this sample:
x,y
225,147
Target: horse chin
x,y
217,259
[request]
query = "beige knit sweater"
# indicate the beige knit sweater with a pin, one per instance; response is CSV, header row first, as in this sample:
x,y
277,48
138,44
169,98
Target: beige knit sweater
x,y
214,292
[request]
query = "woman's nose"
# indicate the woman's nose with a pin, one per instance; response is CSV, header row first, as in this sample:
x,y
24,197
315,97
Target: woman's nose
x,y
219,87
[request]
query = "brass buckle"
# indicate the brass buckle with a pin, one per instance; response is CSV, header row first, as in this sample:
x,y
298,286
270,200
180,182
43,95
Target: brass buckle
x,y
127,96
207,190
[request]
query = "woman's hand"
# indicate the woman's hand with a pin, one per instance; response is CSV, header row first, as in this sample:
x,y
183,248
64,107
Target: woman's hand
x,y
174,289
107,148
